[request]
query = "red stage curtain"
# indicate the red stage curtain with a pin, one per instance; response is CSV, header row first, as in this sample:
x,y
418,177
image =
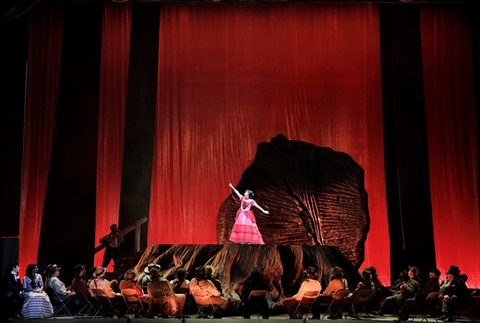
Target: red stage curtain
x,y
43,79
452,138
113,98
233,75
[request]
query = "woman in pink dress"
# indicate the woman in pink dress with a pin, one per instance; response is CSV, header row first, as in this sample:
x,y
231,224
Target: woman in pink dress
x,y
245,229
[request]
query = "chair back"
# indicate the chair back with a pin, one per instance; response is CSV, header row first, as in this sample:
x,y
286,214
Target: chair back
x,y
342,293
257,293
202,297
130,295
433,295
309,297
363,296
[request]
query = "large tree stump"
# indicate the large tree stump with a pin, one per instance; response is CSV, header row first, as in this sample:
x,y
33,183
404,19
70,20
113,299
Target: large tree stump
x,y
315,196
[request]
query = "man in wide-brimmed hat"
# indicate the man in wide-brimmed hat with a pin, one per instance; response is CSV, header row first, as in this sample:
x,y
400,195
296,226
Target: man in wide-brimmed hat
x,y
310,283
130,283
455,295
144,277
99,282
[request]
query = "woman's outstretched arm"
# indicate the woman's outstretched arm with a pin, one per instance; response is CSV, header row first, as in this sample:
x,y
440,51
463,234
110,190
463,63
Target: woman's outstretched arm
x,y
235,190
260,208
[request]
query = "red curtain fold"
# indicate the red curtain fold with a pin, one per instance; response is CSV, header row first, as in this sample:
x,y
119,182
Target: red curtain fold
x,y
43,79
113,98
233,75
452,138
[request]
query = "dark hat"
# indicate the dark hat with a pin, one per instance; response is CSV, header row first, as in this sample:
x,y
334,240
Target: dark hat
x,y
311,271
53,269
453,270
150,266
366,274
337,271
436,271
131,274
79,268
99,272
200,272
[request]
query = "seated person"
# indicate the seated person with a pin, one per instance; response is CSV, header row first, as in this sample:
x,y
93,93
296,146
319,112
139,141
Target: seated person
x,y
144,277
79,283
337,282
209,273
455,295
393,304
37,303
130,283
200,282
364,284
163,300
254,282
180,284
99,282
401,279
379,289
12,292
431,285
57,286
309,284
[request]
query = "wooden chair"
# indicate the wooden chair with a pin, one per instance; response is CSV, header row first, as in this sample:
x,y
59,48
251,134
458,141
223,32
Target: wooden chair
x,y
203,302
133,303
256,300
306,302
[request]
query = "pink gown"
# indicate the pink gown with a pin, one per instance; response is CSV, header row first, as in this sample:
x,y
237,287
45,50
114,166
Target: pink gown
x,y
245,229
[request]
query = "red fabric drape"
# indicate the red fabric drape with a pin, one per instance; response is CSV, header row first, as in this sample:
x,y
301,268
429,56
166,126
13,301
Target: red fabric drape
x,y
43,79
233,75
452,138
113,98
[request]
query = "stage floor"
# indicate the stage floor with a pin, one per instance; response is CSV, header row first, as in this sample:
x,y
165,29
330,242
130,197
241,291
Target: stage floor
x,y
235,319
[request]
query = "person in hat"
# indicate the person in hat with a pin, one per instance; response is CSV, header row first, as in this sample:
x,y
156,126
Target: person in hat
x,y
99,282
310,283
253,282
420,299
130,282
57,286
393,304
144,277
79,283
200,282
112,242
337,283
455,295
209,273
163,300
364,284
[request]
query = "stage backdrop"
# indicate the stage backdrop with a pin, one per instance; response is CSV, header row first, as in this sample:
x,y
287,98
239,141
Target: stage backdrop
x,y
231,76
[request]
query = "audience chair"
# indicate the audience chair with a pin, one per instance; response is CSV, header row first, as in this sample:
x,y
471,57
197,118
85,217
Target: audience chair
x,y
203,302
133,303
360,303
105,305
256,300
87,306
337,303
306,303
59,305
424,310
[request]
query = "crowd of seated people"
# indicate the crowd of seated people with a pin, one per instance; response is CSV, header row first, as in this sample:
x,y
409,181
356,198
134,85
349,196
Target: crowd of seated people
x,y
34,295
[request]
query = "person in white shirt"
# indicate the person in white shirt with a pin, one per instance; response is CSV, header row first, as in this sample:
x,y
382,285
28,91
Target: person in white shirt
x,y
310,284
